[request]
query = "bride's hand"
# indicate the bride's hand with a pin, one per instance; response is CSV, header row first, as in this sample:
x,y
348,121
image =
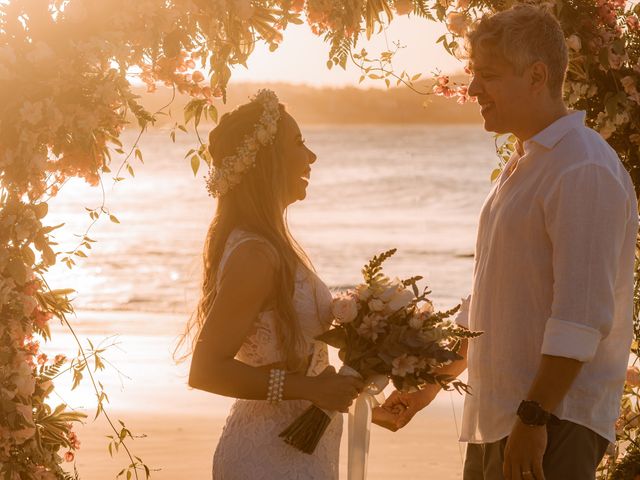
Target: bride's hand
x,y
334,392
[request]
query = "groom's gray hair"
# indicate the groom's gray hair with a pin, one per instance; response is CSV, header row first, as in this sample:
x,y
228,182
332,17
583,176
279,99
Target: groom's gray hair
x,y
521,36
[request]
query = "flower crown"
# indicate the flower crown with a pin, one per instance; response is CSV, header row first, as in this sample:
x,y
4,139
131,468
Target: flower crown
x,y
222,179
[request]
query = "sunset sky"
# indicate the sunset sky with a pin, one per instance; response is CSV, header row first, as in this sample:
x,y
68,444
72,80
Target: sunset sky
x,y
302,56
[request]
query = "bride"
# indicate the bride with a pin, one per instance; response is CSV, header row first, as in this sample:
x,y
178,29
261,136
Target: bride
x,y
262,305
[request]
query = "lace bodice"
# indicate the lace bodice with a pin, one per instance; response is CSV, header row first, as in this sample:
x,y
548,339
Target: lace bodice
x,y
312,303
249,448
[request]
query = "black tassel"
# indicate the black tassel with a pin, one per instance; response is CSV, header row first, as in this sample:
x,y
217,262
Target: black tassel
x,y
306,431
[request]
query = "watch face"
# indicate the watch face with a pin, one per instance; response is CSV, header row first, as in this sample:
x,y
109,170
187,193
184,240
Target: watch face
x,y
528,413
532,414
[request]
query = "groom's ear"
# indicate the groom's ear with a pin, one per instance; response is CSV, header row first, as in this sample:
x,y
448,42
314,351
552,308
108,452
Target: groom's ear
x,y
539,77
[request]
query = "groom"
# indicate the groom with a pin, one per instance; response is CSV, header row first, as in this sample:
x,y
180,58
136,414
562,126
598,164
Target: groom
x,y
553,274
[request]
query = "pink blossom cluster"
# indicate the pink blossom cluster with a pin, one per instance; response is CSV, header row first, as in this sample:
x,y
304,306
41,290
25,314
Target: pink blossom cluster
x,y
608,11
181,72
444,88
334,15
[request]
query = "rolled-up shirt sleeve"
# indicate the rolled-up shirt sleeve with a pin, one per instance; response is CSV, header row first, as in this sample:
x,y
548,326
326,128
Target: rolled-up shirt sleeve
x,y
586,214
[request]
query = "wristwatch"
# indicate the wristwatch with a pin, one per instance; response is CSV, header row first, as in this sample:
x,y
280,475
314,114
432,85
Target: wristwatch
x,y
531,413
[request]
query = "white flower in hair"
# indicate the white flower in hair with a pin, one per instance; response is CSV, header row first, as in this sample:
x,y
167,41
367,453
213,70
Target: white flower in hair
x,y
222,179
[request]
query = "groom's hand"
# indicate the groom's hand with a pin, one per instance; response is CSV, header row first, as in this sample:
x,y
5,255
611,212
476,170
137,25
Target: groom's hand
x,y
524,451
400,408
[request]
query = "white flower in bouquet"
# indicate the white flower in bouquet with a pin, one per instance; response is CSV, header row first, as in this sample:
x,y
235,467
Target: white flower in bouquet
x,y
364,292
404,364
376,305
426,308
391,290
372,325
416,322
402,299
431,335
574,43
344,308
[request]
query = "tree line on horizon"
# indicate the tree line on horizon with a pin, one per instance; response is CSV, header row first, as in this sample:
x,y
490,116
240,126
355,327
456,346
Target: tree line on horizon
x,y
335,105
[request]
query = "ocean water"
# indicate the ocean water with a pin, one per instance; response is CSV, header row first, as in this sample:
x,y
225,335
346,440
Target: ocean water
x,y
415,188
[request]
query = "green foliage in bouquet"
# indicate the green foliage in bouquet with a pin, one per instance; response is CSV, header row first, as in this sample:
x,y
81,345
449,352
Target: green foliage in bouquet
x,y
388,327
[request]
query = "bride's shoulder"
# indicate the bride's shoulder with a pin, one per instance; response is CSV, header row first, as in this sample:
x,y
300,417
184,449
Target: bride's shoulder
x,y
245,246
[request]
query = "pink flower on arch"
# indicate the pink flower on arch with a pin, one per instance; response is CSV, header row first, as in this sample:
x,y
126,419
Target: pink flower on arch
x,y
633,377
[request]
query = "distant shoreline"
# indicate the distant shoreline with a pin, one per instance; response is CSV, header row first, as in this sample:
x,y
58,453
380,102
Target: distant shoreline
x,y
337,106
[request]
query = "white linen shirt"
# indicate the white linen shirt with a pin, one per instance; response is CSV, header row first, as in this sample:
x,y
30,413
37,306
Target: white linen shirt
x,y
553,275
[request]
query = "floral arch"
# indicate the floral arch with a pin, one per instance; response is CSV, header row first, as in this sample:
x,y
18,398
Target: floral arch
x,y
66,97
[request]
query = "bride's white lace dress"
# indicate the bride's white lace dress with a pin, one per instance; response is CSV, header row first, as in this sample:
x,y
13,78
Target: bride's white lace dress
x,y
249,448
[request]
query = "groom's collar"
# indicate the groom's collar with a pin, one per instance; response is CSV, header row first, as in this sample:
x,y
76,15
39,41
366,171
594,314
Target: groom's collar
x,y
550,136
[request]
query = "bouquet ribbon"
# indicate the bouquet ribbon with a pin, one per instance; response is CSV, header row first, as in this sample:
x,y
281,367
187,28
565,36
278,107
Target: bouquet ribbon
x,y
360,422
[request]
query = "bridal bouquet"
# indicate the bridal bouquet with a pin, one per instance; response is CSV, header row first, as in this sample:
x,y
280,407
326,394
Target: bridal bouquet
x,y
386,328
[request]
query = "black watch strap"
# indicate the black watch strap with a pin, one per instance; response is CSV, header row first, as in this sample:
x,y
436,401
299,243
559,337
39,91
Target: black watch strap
x,y
531,413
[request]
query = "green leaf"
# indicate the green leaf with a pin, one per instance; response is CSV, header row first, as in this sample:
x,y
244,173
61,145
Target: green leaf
x,y
46,230
195,164
611,105
40,210
213,113
28,255
336,337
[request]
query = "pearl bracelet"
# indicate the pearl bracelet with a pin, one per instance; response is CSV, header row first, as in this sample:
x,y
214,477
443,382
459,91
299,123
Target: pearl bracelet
x,y
276,386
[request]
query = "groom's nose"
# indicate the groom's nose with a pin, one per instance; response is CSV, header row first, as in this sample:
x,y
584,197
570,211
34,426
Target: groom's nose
x,y
474,87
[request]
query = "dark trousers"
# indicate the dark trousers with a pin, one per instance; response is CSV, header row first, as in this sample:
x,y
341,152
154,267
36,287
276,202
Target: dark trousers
x,y
573,453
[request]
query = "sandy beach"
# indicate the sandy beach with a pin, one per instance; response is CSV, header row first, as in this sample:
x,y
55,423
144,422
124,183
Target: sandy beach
x,y
181,426
180,447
